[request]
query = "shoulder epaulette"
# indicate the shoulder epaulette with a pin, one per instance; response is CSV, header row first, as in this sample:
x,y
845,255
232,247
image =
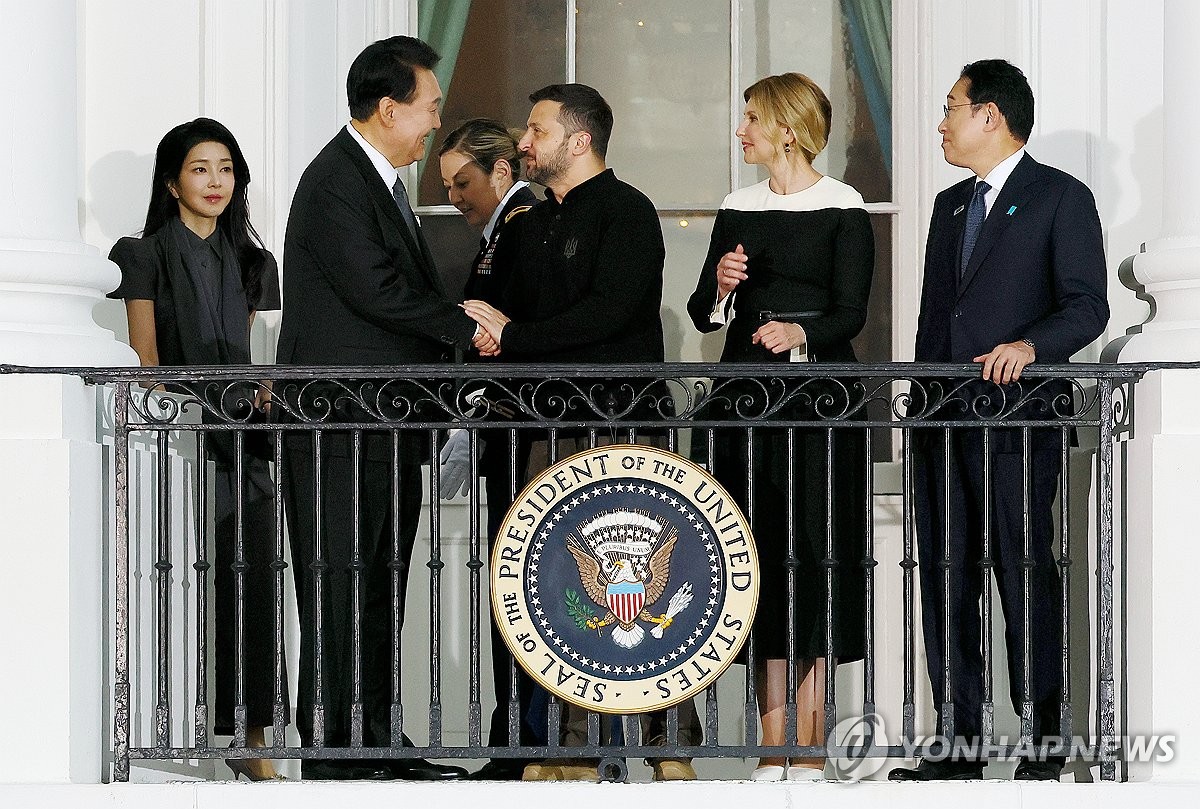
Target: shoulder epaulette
x,y
515,211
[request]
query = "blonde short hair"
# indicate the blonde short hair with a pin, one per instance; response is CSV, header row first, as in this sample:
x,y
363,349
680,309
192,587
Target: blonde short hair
x,y
486,142
792,100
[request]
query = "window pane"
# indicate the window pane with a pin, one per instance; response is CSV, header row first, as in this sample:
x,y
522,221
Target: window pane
x,y
494,54
845,47
663,65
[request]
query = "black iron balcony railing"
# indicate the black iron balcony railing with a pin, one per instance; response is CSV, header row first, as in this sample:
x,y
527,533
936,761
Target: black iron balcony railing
x,y
384,418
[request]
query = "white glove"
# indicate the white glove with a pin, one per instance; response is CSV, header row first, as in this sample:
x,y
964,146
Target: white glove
x,y
455,469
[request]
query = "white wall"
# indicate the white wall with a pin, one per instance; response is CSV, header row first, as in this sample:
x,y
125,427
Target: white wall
x,y
274,72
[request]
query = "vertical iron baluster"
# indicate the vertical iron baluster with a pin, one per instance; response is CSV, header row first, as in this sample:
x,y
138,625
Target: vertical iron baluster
x,y
553,705
121,707
356,592
201,566
791,730
162,566
869,593
987,567
514,690
1026,595
1106,708
907,565
1065,718
629,730
318,568
831,565
397,568
239,589
947,684
750,710
435,600
710,694
279,713
475,711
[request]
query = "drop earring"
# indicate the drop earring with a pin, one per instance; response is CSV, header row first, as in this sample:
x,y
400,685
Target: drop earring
x,y
787,147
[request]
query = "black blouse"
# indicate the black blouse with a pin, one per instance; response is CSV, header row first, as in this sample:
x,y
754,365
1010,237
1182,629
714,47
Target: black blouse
x,y
201,310
811,256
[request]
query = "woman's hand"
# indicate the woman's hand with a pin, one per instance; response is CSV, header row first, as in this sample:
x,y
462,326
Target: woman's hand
x,y
778,337
731,271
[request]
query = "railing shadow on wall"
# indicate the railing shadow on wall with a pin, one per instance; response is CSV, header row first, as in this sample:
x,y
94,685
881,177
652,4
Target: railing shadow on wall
x,y
163,556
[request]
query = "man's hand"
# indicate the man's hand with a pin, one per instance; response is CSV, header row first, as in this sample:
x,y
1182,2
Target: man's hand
x,y
484,343
778,337
731,271
1006,361
490,319
262,396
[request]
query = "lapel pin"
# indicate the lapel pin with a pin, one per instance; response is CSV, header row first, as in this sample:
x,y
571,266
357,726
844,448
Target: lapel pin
x,y
959,210
1012,210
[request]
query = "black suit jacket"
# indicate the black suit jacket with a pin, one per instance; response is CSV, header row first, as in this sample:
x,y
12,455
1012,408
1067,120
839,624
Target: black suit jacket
x,y
358,288
1037,270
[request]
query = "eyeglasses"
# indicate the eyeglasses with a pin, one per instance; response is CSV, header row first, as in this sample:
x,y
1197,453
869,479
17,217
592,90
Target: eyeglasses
x,y
946,109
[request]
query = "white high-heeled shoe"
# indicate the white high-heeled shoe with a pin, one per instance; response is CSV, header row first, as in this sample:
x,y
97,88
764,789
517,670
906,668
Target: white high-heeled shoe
x,y
771,772
797,773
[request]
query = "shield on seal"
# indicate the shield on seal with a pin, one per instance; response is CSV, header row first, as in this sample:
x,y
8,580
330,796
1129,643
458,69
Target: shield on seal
x,y
626,599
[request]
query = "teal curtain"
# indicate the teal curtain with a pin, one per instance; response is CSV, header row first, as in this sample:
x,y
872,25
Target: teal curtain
x,y
869,23
441,23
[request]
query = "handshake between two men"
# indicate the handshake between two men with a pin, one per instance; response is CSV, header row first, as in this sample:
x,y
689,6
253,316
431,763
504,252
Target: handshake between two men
x,y
491,325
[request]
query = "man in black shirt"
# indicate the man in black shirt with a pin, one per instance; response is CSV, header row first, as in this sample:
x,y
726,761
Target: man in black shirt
x,y
585,287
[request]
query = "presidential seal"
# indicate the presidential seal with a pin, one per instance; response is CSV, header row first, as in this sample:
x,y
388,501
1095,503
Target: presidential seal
x,y
624,579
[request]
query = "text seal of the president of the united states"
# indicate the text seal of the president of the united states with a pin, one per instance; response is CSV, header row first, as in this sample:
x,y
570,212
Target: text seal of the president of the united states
x,y
624,579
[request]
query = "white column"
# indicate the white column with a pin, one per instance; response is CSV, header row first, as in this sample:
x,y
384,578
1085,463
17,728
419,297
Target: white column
x,y
49,279
52,670
1162,465
1168,268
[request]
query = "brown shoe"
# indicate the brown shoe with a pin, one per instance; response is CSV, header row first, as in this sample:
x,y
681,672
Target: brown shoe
x,y
673,769
542,771
578,772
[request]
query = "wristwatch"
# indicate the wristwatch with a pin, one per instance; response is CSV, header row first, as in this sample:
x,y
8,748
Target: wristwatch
x,y
1029,343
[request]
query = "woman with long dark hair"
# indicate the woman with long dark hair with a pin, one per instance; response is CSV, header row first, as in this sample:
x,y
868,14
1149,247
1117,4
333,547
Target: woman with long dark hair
x,y
192,283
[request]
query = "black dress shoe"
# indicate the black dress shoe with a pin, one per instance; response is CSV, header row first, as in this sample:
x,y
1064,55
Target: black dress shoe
x,y
418,769
500,769
929,770
345,770
1031,770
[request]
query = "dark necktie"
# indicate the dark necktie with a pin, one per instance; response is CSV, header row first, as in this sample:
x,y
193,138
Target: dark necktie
x,y
975,215
406,211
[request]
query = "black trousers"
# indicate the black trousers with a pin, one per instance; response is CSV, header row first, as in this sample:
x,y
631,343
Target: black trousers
x,y
327,623
962,542
497,471
258,593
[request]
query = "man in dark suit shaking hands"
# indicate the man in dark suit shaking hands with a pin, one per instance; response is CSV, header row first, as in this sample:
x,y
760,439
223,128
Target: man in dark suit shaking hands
x,y
361,288
1014,273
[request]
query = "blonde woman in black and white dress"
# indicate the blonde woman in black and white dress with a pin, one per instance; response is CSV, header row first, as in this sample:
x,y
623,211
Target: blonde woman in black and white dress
x,y
788,274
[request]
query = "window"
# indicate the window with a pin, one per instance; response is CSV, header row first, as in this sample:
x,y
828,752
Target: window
x,y
674,72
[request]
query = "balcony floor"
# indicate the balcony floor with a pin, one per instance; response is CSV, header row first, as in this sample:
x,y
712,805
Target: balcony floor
x,y
696,795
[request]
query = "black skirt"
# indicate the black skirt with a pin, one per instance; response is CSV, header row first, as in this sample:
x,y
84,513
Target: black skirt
x,y
826,532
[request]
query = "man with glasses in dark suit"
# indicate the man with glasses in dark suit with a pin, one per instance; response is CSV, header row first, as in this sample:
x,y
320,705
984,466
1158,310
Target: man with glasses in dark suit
x,y
1014,273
